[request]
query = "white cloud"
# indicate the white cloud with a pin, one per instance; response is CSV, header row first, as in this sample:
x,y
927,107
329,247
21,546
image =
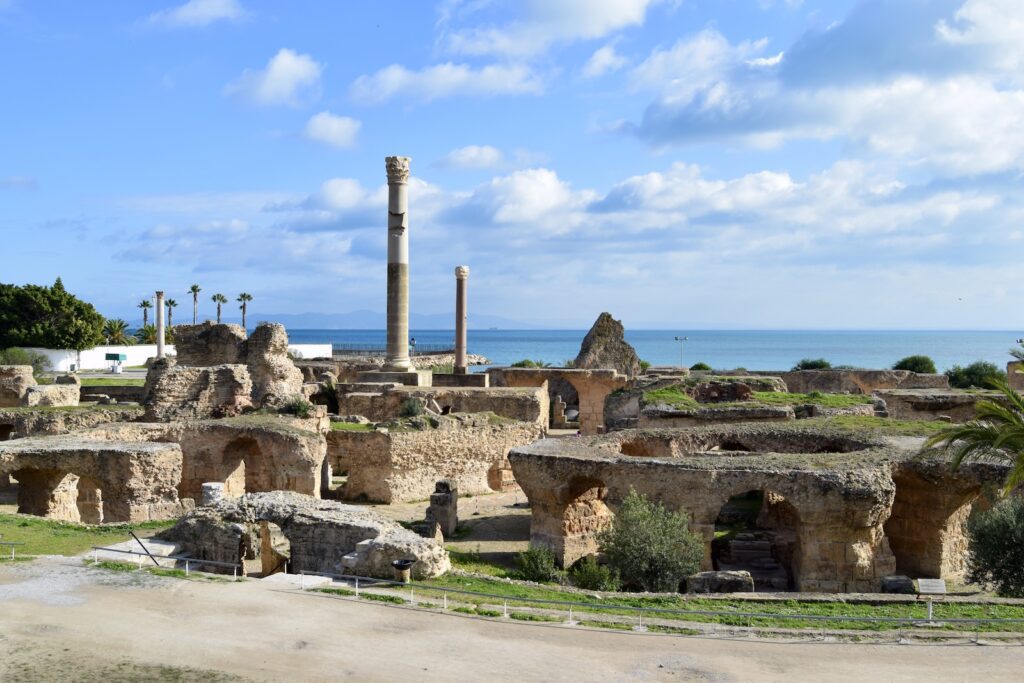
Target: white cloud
x,y
290,78
198,13
445,80
545,23
333,130
604,60
692,63
994,24
474,156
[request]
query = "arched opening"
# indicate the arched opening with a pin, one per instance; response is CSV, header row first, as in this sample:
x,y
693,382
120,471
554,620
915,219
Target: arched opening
x,y
758,532
325,478
243,468
5,432
585,515
275,549
89,501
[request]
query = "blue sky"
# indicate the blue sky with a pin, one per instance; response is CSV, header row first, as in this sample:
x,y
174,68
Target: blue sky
x,y
679,163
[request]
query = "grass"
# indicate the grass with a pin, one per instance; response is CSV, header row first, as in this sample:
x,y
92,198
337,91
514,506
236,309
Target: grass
x,y
393,599
112,382
352,427
473,562
49,537
674,396
66,409
879,425
171,572
783,613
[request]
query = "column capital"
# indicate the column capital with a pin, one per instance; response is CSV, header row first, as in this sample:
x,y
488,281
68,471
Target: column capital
x,y
461,272
398,170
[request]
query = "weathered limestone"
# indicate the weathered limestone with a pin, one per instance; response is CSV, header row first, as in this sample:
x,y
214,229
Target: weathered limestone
x,y
275,378
382,402
176,392
397,359
930,404
160,325
15,381
843,500
858,381
17,423
660,416
208,344
461,278
605,347
720,582
64,392
444,507
402,462
322,536
79,479
592,386
1015,374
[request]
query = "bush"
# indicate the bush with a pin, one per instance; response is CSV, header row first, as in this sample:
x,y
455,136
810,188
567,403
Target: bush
x,y
589,575
38,361
413,407
920,364
537,564
702,367
48,318
299,407
527,363
996,545
813,364
978,374
651,548
644,365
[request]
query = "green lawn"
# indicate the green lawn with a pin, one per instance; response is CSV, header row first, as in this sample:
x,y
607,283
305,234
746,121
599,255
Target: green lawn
x,y
352,427
677,397
48,537
112,382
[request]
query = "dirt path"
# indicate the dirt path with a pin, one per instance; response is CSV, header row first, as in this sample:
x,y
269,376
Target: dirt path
x,y
61,621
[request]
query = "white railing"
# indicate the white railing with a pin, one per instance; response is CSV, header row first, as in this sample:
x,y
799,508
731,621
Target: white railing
x,y
188,561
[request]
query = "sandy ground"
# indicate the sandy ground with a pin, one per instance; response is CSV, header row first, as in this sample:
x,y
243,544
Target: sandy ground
x,y
60,621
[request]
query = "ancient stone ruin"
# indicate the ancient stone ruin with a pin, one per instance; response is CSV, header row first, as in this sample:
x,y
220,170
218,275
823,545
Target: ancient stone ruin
x,y
605,347
18,387
834,511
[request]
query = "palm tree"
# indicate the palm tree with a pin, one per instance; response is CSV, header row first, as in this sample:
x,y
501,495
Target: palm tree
x,y
145,305
147,334
115,331
171,305
1018,353
194,291
218,299
244,299
996,434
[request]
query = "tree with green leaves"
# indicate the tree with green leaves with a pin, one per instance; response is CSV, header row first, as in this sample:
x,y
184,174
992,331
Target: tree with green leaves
x,y
171,305
146,334
920,364
812,364
996,434
218,299
145,305
116,332
995,546
47,317
978,375
194,291
244,298
651,548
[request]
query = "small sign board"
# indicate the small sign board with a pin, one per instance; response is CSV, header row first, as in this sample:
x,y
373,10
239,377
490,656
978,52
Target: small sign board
x,y
117,356
931,587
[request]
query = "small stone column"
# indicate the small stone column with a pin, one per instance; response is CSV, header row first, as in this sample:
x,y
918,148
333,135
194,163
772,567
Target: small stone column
x,y
159,325
461,276
397,359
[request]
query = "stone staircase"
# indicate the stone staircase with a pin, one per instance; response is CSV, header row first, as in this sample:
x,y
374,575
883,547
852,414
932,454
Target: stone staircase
x,y
752,551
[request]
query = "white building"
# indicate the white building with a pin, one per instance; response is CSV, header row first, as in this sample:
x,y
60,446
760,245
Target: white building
x,y
138,354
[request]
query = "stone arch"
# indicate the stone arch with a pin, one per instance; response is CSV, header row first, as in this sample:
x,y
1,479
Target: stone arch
x,y
243,467
585,513
927,527
759,530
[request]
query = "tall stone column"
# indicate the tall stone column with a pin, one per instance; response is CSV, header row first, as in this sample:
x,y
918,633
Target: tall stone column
x,y
461,277
159,324
397,359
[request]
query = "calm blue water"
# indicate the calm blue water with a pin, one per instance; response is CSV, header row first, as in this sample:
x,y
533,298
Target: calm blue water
x,y
721,349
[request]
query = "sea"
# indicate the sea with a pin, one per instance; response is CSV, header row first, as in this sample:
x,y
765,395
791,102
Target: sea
x,y
721,349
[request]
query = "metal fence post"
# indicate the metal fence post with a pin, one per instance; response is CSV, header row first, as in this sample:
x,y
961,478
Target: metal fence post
x,y
505,615
186,567
357,586
140,561
444,597
412,595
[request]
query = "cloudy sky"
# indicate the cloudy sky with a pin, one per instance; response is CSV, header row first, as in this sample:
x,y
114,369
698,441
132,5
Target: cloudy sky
x,y
680,163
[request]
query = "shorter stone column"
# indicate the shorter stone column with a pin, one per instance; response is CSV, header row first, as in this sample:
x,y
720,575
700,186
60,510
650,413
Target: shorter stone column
x,y
461,277
159,325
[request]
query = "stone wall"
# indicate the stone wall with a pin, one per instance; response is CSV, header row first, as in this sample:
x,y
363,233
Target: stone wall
x,y
528,404
176,392
76,479
1015,374
404,462
15,381
839,504
17,423
322,536
858,381
64,392
932,404
592,388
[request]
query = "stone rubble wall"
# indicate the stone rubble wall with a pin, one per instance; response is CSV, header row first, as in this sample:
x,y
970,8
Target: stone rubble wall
x,y
1015,374
23,422
527,404
64,392
324,536
927,404
858,381
176,392
402,466
15,381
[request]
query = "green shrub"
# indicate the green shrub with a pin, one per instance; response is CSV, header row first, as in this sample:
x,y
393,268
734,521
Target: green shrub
x,y
813,364
996,545
651,548
299,407
978,374
644,365
38,361
920,364
537,564
702,367
527,363
413,407
589,575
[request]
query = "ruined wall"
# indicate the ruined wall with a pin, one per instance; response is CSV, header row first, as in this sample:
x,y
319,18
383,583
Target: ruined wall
x,y
176,392
528,404
136,482
858,381
403,464
324,536
1015,374
653,416
17,423
64,392
15,381
931,404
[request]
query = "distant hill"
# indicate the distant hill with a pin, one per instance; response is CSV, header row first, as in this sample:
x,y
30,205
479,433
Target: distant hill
x,y
372,320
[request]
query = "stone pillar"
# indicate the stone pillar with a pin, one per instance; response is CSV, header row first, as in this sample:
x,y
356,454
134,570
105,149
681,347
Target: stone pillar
x,y
397,359
159,325
461,276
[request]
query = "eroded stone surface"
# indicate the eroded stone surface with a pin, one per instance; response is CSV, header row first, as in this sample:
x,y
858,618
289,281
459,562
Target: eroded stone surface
x,y
15,381
324,536
605,347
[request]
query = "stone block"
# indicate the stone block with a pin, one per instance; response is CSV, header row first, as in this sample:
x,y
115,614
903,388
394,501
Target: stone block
x,y
720,582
